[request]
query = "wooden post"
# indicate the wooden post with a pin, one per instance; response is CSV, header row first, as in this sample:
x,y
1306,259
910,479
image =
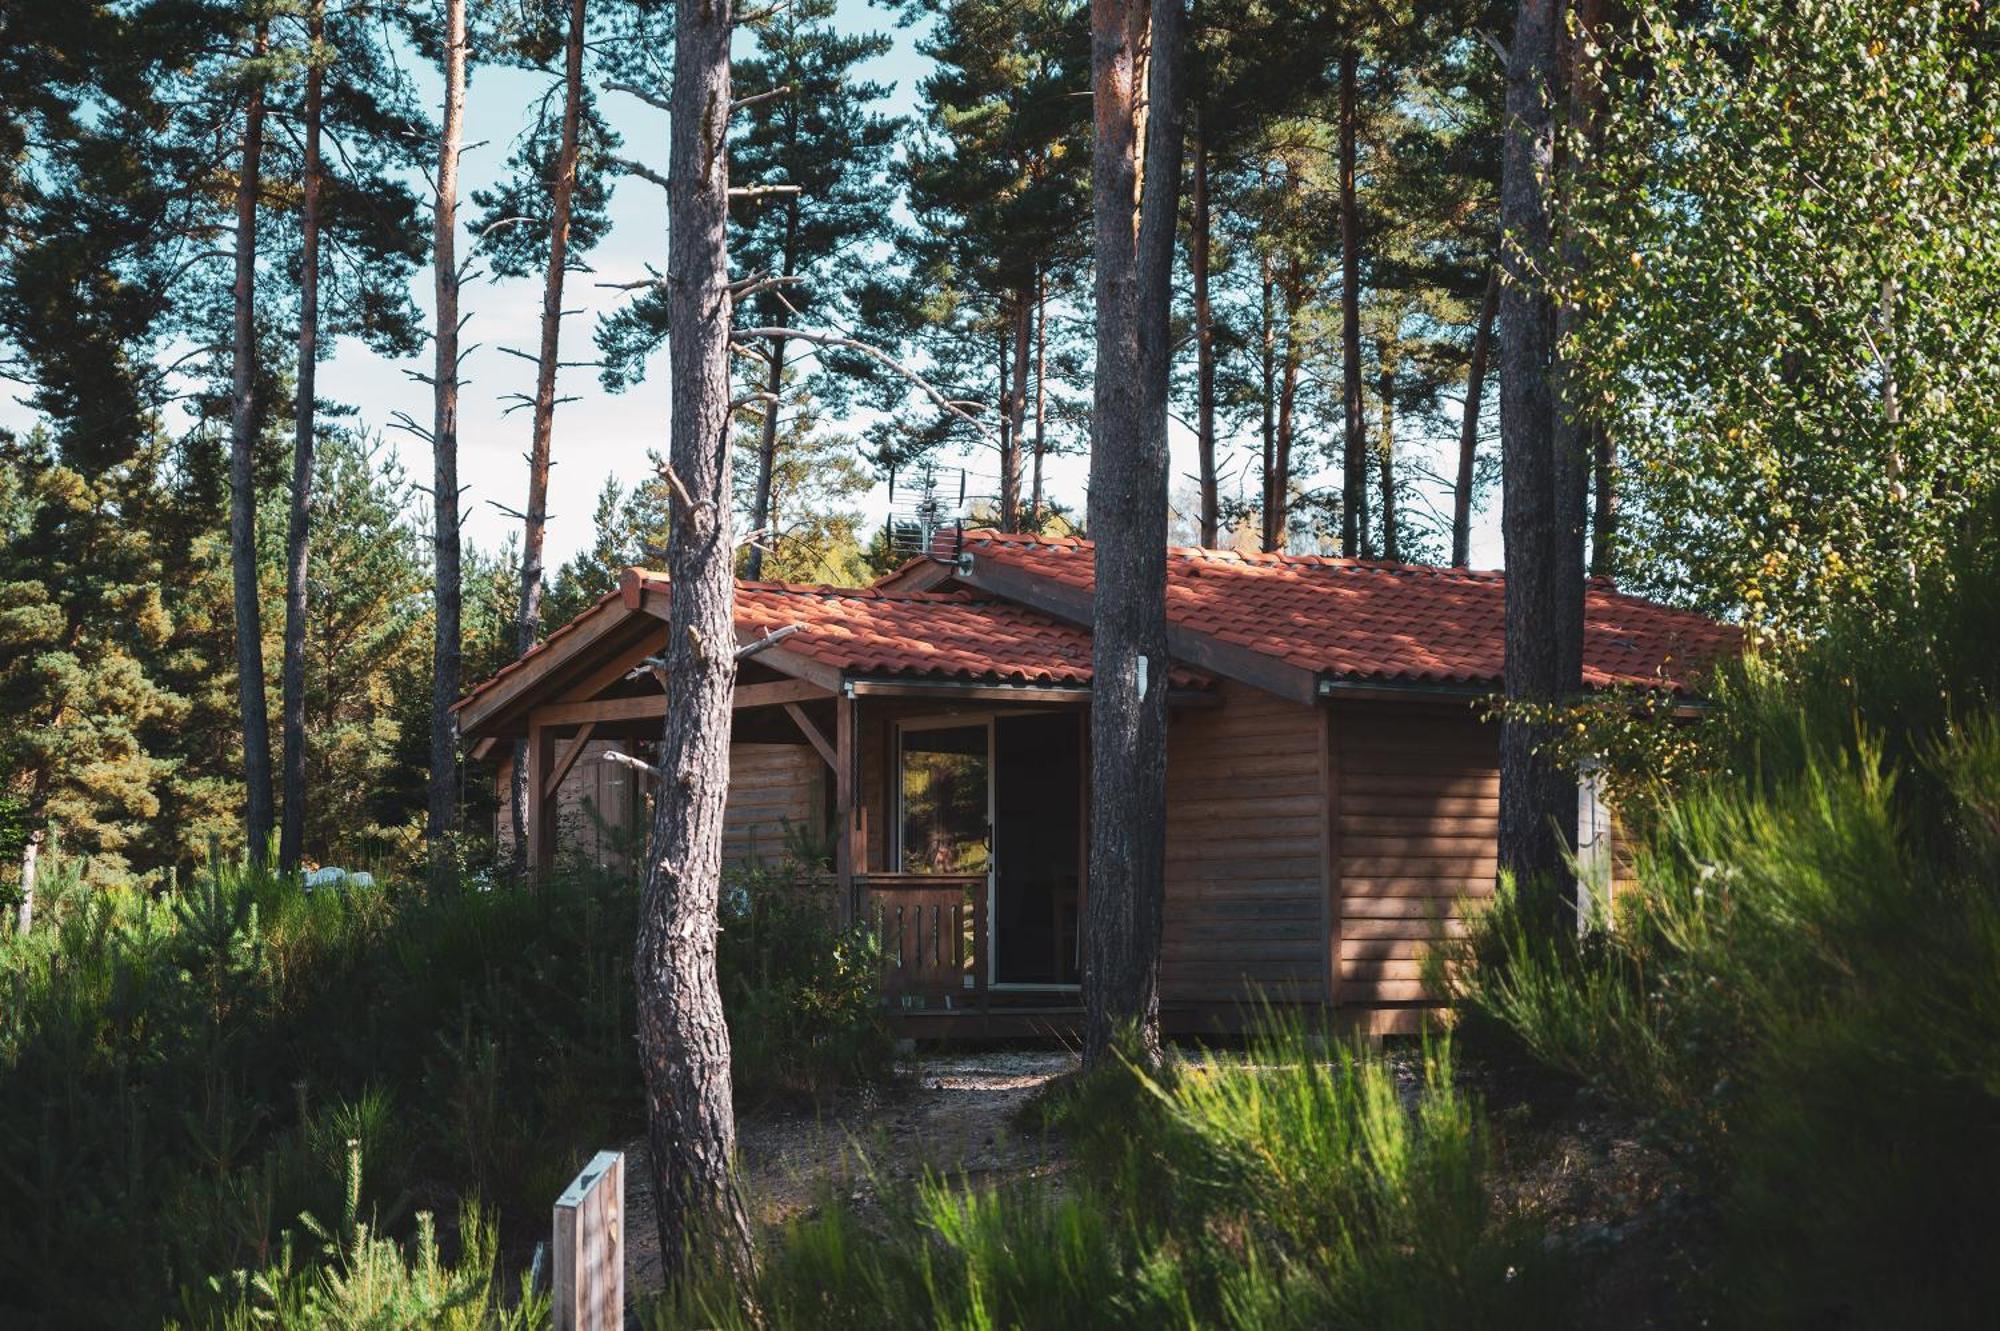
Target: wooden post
x,y
843,802
542,802
590,1248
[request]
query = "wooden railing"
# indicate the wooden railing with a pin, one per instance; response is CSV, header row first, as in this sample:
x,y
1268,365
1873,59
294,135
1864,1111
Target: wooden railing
x,y
932,929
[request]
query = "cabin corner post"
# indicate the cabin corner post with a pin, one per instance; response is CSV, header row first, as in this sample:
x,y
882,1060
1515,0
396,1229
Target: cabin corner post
x,y
541,820
1330,875
844,803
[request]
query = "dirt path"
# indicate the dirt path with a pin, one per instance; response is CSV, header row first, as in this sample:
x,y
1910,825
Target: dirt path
x,y
948,1113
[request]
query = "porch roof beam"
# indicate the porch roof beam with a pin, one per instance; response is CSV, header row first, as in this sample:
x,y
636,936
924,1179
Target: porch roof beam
x,y
650,705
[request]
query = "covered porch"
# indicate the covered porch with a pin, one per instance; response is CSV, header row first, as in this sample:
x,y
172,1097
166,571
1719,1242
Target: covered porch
x,y
947,803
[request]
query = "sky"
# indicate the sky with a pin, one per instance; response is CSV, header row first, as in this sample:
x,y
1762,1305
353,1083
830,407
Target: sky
x,y
601,434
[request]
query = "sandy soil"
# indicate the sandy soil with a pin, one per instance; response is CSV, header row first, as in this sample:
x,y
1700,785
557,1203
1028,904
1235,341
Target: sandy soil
x,y
946,1113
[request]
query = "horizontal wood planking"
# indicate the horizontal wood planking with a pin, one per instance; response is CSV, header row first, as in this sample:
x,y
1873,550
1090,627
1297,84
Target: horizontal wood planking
x,y
770,785
1418,830
1245,845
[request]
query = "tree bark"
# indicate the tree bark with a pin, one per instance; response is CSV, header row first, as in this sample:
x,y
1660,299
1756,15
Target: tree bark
x,y
1268,379
1541,511
1128,514
292,710
767,451
441,832
534,534
1204,340
1041,397
1468,426
774,385
1278,476
243,480
1017,406
683,1037
1388,453
1604,509
1354,450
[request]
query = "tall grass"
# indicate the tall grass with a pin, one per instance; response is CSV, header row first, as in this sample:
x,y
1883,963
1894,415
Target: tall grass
x,y
181,1072
1295,1183
1805,994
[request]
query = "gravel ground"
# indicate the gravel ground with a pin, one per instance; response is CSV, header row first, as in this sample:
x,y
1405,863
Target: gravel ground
x,y
946,1113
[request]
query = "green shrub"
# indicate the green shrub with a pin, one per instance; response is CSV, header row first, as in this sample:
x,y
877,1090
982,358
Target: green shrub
x,y
361,1281
1295,1185
803,994
1805,993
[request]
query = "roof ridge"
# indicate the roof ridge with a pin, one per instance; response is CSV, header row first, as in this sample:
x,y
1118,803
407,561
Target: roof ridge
x,y
1251,558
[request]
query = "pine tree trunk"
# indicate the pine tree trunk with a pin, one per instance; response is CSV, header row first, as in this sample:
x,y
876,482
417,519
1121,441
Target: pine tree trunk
x,y
1278,502
767,453
1604,510
291,833
1537,793
683,1038
534,534
443,793
243,482
1041,397
1204,342
1268,375
774,386
1017,405
1388,452
1354,448
1128,517
1468,426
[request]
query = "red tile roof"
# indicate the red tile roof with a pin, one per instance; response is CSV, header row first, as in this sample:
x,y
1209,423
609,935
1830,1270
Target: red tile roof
x,y
1367,620
954,634
885,632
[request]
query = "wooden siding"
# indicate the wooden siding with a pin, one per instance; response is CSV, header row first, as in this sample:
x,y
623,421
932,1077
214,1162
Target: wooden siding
x,y
1246,909
771,785
600,815
1417,827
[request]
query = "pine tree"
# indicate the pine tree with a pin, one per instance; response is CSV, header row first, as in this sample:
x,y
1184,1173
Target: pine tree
x,y
807,128
81,615
996,180
359,242
1128,511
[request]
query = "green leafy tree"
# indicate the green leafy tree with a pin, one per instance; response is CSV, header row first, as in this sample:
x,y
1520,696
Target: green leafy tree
x,y
1790,291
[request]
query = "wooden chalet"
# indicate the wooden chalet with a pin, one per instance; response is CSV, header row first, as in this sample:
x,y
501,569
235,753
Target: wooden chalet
x,y
1332,789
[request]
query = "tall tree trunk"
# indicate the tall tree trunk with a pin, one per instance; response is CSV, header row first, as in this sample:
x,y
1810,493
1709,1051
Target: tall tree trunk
x,y
1354,447
1537,792
683,1038
1388,453
1278,496
774,388
1468,426
443,826
1017,406
243,479
1041,396
1128,514
535,517
1204,341
767,450
1268,376
1604,509
292,711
